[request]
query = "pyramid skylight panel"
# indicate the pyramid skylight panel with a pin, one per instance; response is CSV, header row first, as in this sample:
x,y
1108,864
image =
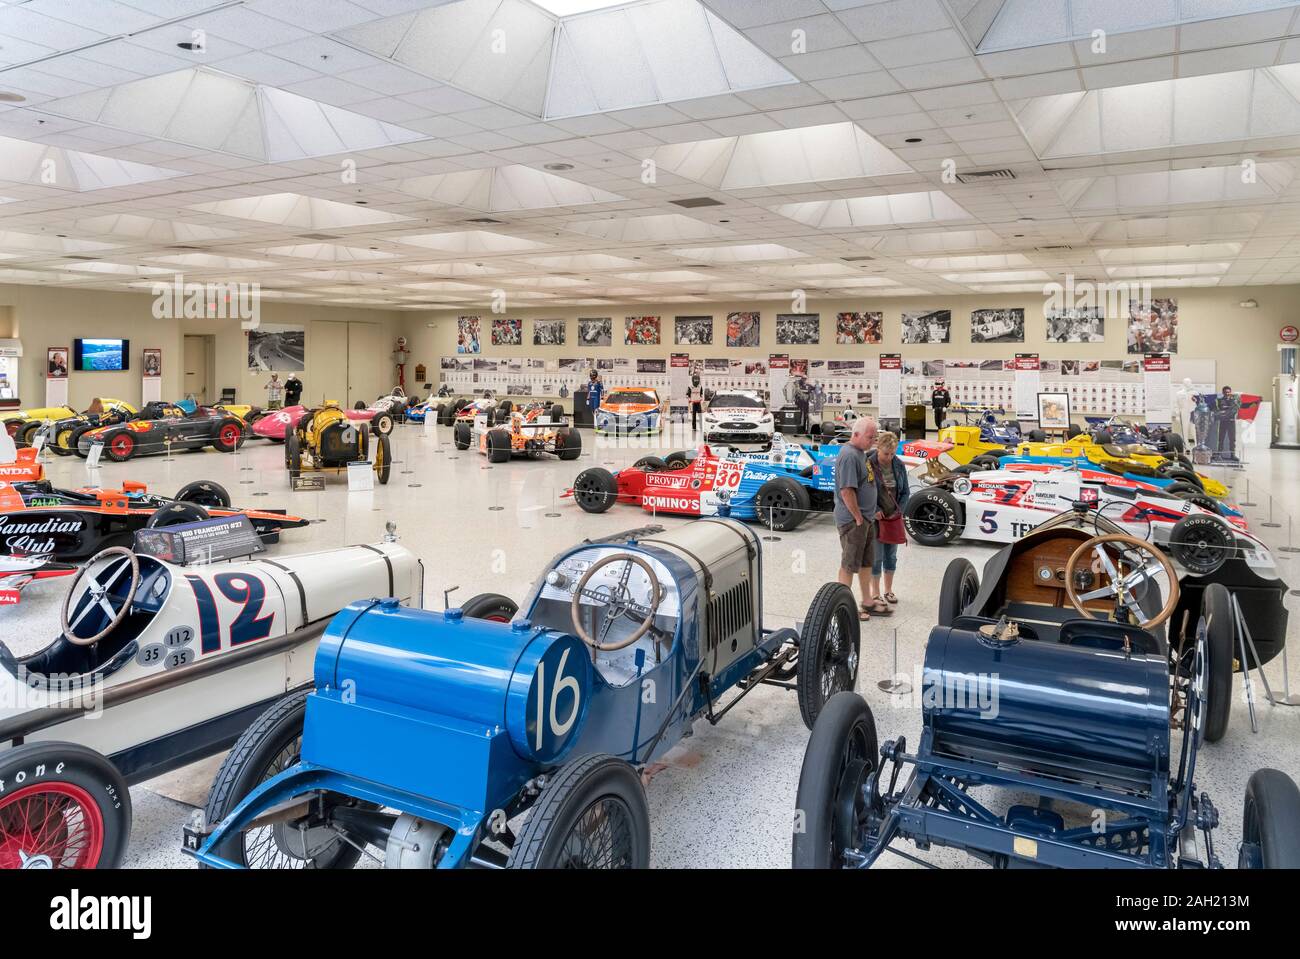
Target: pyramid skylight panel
x,y
300,212
1216,108
40,165
134,227
833,151
327,253
995,25
471,242
657,228
506,189
526,57
741,253
875,211
1129,191
214,111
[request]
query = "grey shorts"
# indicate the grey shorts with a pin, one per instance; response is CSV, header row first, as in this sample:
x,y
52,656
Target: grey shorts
x,y
856,545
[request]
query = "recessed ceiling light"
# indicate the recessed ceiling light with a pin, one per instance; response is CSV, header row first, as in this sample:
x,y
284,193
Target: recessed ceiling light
x,y
557,166
6,97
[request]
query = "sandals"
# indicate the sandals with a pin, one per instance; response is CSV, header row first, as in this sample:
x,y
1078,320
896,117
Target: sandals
x,y
864,614
881,608
891,599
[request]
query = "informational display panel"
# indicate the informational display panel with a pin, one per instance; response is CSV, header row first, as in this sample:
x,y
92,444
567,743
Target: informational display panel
x,y
1157,384
778,374
1027,384
889,395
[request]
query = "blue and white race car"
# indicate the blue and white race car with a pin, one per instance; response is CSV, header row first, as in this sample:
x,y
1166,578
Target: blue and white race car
x,y
780,486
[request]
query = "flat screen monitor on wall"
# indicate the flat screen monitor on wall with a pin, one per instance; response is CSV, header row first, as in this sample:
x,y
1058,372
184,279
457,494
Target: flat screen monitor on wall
x,y
99,354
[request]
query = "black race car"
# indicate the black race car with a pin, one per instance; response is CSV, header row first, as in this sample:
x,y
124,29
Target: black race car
x,y
162,426
38,519
64,433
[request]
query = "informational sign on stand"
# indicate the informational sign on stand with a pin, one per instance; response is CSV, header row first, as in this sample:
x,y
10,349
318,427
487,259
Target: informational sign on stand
x,y
361,477
92,458
309,483
151,389
778,374
889,396
56,391
1158,387
1028,383
679,378
207,541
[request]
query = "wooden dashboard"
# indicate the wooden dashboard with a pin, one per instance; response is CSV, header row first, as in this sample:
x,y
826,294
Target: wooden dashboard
x,y
1037,576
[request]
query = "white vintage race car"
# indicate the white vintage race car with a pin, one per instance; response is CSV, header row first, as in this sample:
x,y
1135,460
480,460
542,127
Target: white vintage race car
x,y
1001,506
738,416
158,666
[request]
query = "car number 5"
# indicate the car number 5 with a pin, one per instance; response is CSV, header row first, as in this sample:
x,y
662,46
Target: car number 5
x,y
988,521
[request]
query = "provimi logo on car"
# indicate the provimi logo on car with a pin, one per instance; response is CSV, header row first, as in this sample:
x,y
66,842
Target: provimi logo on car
x,y
77,913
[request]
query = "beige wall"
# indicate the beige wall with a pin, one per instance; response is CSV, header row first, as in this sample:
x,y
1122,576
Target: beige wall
x,y
1211,326
45,316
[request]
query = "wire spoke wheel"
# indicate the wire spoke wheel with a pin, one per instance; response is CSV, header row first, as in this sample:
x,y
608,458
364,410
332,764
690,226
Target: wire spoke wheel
x,y
839,663
52,825
601,838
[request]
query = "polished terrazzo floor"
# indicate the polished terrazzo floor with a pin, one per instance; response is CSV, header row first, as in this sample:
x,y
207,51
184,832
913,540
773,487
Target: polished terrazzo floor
x,y
729,799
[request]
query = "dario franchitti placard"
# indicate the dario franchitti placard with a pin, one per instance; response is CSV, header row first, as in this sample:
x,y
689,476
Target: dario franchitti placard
x,y
39,535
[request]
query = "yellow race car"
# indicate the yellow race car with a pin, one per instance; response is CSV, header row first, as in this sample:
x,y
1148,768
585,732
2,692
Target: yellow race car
x,y
963,445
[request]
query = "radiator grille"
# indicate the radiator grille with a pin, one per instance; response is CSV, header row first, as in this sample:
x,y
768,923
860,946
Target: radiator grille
x,y
730,614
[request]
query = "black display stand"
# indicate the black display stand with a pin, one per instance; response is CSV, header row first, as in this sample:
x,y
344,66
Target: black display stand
x,y
583,415
914,421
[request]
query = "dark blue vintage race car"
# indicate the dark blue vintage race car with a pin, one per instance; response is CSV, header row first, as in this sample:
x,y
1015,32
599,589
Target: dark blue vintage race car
x,y
1049,685
444,739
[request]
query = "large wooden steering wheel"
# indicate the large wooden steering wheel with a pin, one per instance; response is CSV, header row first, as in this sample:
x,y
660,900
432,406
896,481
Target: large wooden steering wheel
x,y
98,594
615,601
1121,584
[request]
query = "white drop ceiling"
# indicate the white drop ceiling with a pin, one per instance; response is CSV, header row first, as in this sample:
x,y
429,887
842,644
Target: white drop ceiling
x,y
421,153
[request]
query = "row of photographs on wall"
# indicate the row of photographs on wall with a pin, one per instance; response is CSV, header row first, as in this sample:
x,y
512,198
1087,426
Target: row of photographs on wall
x,y
1152,328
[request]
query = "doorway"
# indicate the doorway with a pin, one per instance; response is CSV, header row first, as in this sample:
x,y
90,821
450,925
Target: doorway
x,y
350,362
200,367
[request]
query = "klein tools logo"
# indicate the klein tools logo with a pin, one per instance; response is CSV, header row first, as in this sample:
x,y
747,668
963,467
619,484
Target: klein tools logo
x,y
210,301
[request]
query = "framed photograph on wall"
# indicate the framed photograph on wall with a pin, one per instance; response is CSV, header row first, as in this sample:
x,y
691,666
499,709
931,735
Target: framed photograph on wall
x,y
852,329
742,329
596,331
1054,411
997,326
507,332
798,329
468,334
641,331
1153,326
548,332
928,326
153,362
58,363
693,330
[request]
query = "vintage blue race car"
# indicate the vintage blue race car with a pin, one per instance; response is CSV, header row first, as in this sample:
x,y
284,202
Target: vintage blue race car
x,y
446,740
780,486
1055,687
992,429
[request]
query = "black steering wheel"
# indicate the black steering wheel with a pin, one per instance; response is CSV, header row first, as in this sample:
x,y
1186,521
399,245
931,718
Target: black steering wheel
x,y
92,590
615,601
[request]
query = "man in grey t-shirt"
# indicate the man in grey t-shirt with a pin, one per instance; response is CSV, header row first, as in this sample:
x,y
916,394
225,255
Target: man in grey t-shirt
x,y
856,514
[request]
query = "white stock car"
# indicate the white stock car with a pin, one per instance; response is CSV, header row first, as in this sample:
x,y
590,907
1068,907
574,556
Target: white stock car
x,y
738,416
1001,506
158,666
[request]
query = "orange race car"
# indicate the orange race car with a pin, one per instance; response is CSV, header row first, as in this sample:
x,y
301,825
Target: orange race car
x,y
501,434
25,468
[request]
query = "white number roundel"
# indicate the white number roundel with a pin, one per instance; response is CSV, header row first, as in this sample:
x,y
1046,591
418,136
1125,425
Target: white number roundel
x,y
557,698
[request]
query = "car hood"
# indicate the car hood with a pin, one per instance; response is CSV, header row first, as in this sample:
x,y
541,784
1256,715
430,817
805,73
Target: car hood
x,y
628,409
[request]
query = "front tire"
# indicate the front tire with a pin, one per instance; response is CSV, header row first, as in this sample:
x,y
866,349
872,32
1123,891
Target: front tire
x,y
782,504
27,433
828,650
1201,544
595,490
498,446
230,436
70,810
204,493
383,458
268,747
461,436
1270,822
960,586
591,814
490,606
933,517
568,444
842,751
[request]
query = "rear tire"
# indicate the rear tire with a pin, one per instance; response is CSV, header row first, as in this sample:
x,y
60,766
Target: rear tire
x,y
204,493
71,809
828,650
678,460
595,490
174,514
933,517
293,456
1270,822
27,433
600,787
650,464
557,413
841,752
498,446
1221,646
120,447
490,606
568,444
383,458
960,586
1036,436
461,436
382,424
229,436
